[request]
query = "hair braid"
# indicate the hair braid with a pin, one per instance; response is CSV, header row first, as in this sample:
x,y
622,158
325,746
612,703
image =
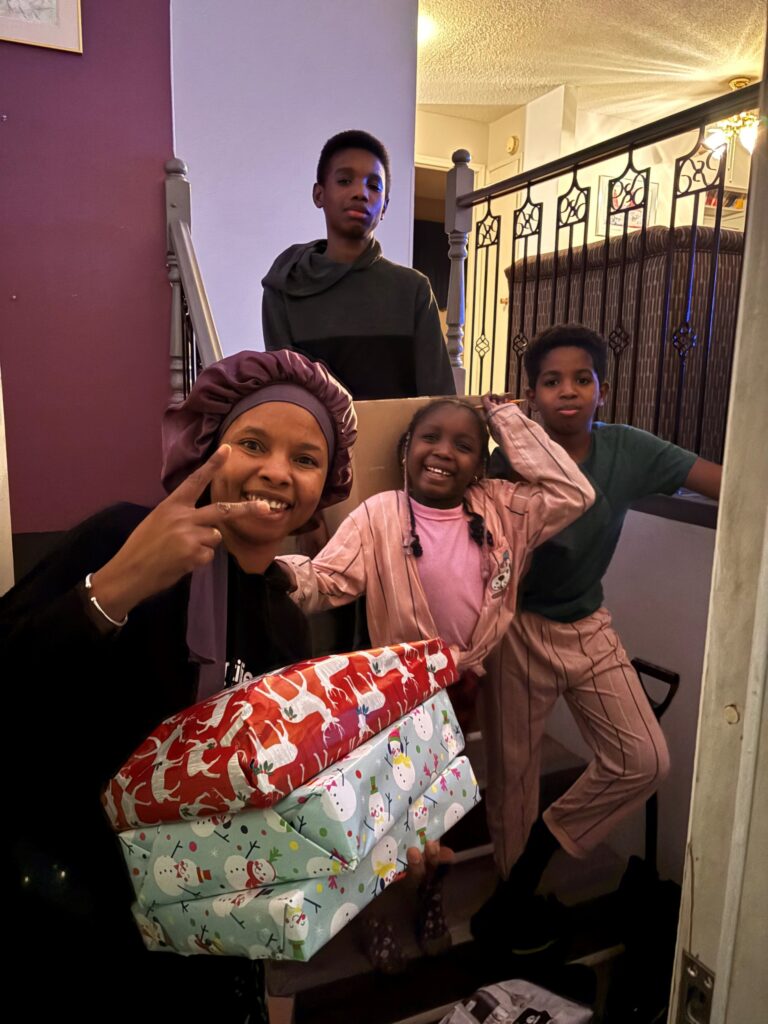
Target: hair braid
x,y
477,530
413,541
416,549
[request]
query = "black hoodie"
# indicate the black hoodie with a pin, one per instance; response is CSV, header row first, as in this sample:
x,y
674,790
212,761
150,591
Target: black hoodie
x,y
373,323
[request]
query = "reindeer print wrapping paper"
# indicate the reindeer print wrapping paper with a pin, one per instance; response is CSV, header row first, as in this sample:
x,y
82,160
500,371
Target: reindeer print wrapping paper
x,y
293,920
325,827
254,743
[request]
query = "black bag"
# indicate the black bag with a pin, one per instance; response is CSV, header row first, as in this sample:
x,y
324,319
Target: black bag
x,y
648,911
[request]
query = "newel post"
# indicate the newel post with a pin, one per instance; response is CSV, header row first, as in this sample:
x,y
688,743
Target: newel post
x,y
177,207
458,223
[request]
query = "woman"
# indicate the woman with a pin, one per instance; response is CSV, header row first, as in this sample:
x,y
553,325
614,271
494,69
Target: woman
x,y
140,613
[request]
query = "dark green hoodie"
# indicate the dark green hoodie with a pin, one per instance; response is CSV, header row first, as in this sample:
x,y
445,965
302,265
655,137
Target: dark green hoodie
x,y
373,323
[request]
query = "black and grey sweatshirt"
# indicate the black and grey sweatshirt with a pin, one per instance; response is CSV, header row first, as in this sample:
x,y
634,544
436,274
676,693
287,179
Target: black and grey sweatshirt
x,y
372,322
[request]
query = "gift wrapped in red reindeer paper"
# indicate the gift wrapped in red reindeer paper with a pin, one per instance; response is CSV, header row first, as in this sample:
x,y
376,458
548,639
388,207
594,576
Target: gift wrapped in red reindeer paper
x,y
255,743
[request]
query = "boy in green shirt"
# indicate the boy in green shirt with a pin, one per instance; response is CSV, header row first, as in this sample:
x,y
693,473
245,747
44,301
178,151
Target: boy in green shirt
x,y
562,642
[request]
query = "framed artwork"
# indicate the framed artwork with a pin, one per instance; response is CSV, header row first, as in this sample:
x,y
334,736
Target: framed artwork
x,y
634,215
51,23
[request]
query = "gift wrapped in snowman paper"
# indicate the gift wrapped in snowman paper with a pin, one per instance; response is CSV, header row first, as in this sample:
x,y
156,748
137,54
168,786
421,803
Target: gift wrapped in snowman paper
x,y
292,920
326,827
253,744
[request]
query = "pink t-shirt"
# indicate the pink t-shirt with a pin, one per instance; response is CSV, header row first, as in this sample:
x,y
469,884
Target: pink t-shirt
x,y
451,571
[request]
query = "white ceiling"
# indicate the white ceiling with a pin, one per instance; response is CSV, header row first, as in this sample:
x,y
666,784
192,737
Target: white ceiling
x,y
638,60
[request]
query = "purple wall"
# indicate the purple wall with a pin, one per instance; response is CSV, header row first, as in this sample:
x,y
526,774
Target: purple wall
x,y
84,295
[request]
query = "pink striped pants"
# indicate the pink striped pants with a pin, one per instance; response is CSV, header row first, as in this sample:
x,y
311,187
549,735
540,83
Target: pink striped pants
x,y
538,661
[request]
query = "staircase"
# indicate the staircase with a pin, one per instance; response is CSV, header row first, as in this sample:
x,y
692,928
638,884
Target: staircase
x,y
338,983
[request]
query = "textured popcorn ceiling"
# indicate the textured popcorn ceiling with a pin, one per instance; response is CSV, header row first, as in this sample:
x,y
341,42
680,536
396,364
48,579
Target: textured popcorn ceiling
x,y
639,59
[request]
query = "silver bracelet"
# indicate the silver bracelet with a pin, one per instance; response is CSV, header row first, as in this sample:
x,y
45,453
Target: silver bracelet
x,y
97,606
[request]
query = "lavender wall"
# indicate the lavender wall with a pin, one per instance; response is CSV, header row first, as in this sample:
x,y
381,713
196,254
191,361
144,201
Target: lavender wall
x,y
256,94
84,298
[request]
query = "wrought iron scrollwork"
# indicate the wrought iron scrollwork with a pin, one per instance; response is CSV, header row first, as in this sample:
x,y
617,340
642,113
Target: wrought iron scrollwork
x,y
627,193
482,346
519,344
630,191
487,234
527,219
572,213
655,267
699,170
573,207
488,229
699,177
684,338
526,236
618,340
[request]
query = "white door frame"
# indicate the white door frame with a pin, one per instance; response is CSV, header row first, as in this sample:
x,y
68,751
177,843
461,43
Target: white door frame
x,y
724,912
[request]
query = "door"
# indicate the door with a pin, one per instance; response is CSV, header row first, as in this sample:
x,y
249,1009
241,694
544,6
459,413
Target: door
x,y
721,969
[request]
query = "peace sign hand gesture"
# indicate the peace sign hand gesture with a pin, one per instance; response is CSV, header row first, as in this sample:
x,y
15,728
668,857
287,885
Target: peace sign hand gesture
x,y
175,538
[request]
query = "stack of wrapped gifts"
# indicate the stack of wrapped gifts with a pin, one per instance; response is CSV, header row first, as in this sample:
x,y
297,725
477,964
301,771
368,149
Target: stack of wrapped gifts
x,y
260,821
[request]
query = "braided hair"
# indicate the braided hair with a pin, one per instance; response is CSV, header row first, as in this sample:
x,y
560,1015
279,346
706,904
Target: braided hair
x,y
416,549
477,529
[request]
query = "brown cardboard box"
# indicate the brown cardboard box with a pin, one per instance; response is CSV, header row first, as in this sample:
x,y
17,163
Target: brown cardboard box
x,y
380,425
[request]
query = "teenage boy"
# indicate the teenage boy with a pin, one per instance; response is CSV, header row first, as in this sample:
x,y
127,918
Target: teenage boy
x,y
562,643
372,322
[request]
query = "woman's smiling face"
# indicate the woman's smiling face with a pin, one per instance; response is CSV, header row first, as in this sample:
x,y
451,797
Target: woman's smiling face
x,y
445,453
279,454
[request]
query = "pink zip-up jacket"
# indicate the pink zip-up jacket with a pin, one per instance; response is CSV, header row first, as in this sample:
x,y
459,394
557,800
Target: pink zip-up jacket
x,y
369,553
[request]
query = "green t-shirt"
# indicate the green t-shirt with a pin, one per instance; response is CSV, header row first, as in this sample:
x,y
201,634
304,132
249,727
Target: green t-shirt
x,y
564,582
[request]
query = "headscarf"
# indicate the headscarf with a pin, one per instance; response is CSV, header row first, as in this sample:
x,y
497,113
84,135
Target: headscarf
x,y
191,432
191,429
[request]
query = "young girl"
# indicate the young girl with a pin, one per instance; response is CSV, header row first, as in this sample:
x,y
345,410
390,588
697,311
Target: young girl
x,y
443,557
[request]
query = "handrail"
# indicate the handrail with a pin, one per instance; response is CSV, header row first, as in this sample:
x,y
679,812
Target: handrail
x,y
206,335
194,338
668,363
637,138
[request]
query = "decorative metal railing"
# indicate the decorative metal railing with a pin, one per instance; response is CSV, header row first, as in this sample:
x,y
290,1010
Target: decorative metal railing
x,y
194,339
664,295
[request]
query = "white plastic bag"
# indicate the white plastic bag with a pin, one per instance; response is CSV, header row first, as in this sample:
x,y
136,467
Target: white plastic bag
x,y
517,1002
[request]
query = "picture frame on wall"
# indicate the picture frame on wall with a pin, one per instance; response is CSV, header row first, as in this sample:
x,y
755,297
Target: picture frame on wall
x,y
55,24
634,216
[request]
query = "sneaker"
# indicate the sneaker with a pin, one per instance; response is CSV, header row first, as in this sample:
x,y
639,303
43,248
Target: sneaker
x,y
518,925
538,926
486,923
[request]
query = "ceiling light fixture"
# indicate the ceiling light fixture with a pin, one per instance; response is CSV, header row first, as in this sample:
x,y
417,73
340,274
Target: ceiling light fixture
x,y
741,126
427,29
